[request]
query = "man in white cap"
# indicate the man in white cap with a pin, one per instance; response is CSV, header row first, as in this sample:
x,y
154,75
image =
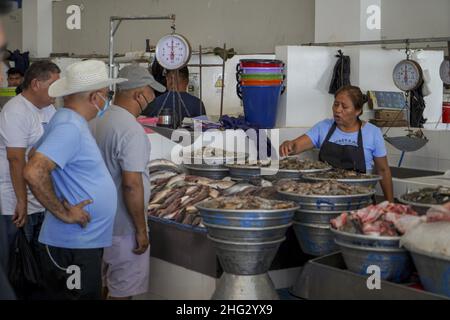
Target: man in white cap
x,y
126,150
68,176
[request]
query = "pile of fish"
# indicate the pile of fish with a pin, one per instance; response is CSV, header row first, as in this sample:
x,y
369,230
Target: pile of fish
x,y
385,219
210,152
291,163
341,174
247,203
438,195
331,188
174,194
301,164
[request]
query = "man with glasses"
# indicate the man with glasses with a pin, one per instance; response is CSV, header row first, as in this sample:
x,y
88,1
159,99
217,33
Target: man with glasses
x,y
68,176
126,150
22,122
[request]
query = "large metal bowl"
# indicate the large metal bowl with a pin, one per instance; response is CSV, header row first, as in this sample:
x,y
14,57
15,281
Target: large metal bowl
x,y
242,258
366,182
329,203
420,208
249,235
365,240
244,172
394,263
315,216
315,239
211,172
246,218
278,174
434,271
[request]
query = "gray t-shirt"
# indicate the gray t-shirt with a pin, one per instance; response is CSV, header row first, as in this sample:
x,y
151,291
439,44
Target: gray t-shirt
x,y
125,147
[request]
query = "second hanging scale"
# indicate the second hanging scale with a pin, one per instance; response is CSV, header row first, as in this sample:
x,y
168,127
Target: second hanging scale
x,y
407,76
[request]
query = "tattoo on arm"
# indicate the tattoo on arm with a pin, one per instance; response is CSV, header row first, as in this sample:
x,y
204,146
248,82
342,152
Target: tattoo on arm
x,y
37,173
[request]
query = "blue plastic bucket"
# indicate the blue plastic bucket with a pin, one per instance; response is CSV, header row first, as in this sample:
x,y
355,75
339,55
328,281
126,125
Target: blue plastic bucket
x,y
260,104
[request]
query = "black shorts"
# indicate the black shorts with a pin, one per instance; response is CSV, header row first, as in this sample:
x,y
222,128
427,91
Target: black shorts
x,y
81,279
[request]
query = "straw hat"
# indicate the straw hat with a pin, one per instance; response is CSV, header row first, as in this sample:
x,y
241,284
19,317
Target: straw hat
x,y
84,76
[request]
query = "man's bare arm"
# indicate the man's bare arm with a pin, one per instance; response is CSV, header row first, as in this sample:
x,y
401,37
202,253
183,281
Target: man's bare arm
x,y
16,162
37,174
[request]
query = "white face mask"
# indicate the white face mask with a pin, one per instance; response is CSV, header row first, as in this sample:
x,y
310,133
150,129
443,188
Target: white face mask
x,y
101,112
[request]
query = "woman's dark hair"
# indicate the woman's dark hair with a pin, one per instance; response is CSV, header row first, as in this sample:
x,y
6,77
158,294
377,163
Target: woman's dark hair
x,y
355,94
41,70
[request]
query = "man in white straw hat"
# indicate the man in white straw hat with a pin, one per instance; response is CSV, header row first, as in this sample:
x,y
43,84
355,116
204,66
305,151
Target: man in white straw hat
x,y
68,176
126,150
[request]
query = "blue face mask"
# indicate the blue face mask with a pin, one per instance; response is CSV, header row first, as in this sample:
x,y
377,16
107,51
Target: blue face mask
x,y
101,112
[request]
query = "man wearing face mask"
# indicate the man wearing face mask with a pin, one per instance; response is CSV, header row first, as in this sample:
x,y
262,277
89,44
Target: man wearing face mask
x,y
68,176
126,150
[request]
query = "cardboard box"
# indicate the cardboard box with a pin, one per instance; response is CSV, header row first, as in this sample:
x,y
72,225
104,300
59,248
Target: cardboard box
x,y
390,115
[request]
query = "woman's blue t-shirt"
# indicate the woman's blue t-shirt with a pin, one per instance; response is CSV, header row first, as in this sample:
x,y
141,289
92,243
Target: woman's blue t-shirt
x,y
373,141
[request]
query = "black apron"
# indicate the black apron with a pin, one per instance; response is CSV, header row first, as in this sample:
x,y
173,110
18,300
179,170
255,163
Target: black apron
x,y
343,157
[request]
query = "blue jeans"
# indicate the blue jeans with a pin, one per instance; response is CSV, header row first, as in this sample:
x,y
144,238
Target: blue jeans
x,y
31,230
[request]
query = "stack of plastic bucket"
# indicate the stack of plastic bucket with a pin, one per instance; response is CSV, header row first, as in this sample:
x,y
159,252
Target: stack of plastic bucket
x,y
260,84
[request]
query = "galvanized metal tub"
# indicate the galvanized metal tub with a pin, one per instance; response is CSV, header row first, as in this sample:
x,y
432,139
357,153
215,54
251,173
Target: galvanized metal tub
x,y
211,172
365,240
315,239
243,172
289,174
329,203
315,216
252,235
242,258
434,271
366,182
420,208
246,218
394,263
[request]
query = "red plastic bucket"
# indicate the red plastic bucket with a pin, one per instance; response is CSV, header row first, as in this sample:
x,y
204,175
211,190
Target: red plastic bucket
x,y
446,112
261,63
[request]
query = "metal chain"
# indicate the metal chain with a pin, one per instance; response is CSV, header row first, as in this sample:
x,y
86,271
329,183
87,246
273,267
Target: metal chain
x,y
173,27
401,112
407,50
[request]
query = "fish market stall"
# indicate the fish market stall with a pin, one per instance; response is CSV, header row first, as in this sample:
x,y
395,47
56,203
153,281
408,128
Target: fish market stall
x,y
336,231
182,255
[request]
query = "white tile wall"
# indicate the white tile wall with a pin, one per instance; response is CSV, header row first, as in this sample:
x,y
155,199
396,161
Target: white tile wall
x,y
423,163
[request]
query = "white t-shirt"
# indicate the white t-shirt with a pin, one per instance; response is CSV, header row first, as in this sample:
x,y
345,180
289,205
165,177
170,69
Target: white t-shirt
x,y
21,126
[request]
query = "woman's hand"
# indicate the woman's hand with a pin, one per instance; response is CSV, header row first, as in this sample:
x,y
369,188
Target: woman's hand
x,y
287,148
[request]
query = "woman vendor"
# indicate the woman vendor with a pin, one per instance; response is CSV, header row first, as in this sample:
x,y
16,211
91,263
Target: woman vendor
x,y
345,141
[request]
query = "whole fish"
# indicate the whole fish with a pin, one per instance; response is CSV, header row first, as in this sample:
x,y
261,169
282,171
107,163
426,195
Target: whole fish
x,y
219,184
160,196
237,188
175,179
161,175
213,193
188,218
163,165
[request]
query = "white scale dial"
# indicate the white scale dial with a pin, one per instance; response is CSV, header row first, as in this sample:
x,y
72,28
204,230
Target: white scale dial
x,y
407,75
173,51
445,71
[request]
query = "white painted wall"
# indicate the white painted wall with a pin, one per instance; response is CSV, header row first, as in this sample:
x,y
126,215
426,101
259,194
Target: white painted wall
x,y
415,18
12,24
309,71
250,26
37,27
338,20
